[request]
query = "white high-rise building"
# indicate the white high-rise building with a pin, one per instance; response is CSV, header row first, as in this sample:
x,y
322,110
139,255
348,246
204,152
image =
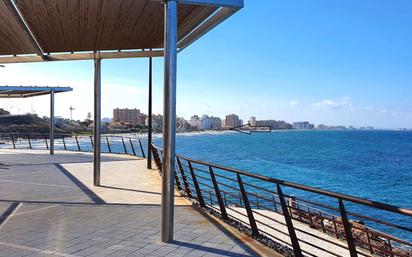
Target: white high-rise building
x,y
252,121
205,122
194,121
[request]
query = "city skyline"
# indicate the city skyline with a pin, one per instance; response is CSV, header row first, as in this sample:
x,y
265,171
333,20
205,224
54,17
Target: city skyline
x,y
354,69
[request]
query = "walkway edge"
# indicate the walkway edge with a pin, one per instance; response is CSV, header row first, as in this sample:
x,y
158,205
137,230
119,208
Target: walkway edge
x,y
251,243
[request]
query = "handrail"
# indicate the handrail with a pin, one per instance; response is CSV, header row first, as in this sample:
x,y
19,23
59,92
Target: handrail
x,y
359,237
83,142
370,203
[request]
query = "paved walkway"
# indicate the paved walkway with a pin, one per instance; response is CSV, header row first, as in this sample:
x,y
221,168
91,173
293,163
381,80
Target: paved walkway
x,y
48,207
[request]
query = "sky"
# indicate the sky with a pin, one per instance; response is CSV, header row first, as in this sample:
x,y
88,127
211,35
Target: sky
x,y
345,62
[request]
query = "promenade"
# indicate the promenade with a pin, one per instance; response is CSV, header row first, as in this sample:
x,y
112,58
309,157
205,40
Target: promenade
x,y
49,207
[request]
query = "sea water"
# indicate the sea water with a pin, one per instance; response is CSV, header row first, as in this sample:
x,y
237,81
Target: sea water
x,y
376,165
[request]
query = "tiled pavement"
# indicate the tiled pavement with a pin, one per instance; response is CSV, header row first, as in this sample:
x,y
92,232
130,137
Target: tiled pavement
x,y
48,209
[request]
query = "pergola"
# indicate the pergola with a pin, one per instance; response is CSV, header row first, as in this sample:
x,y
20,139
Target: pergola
x,y
32,91
43,31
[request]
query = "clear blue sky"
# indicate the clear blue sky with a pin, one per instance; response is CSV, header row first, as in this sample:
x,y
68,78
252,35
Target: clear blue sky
x,y
343,62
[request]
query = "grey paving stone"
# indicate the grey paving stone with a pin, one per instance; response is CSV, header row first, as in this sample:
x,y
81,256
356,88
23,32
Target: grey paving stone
x,y
59,215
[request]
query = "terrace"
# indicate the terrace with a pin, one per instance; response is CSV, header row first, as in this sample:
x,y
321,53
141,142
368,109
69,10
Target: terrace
x,y
49,207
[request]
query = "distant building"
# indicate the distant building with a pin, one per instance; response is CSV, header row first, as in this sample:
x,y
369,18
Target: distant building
x,y
130,116
303,125
205,123
274,124
252,121
59,122
182,124
194,122
232,120
157,121
216,123
325,127
106,120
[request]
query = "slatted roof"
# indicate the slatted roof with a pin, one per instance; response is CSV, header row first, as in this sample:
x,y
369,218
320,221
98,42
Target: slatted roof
x,y
42,27
29,91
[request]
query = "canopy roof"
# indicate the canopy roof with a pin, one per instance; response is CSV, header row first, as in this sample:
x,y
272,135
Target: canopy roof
x,y
43,28
29,91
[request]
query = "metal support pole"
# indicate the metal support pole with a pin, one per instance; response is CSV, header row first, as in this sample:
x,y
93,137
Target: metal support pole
x,y
131,146
45,141
77,142
96,129
64,143
169,120
108,145
124,146
218,195
348,230
12,140
28,137
51,122
184,178
141,148
252,221
197,188
289,223
149,125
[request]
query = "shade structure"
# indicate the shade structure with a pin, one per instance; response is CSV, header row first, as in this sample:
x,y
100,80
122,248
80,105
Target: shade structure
x,y
29,91
32,91
43,30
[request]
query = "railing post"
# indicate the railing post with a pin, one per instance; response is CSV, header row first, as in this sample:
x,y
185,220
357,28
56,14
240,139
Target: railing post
x,y
335,228
369,242
274,203
124,146
12,140
198,192
184,178
157,159
131,145
252,221
218,195
64,143
77,142
321,221
390,248
348,230
47,145
108,144
28,137
141,148
289,223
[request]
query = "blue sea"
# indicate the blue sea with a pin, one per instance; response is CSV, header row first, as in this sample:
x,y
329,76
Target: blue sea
x,y
375,165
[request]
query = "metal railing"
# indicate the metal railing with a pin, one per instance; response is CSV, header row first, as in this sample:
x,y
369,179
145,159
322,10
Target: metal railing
x,y
83,143
258,205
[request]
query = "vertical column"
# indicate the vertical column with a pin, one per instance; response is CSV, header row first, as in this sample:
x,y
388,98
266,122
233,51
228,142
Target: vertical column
x,y
149,125
169,120
96,121
51,122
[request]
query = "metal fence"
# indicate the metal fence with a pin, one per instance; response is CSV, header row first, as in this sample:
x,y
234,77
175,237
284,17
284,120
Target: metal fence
x,y
83,143
259,206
